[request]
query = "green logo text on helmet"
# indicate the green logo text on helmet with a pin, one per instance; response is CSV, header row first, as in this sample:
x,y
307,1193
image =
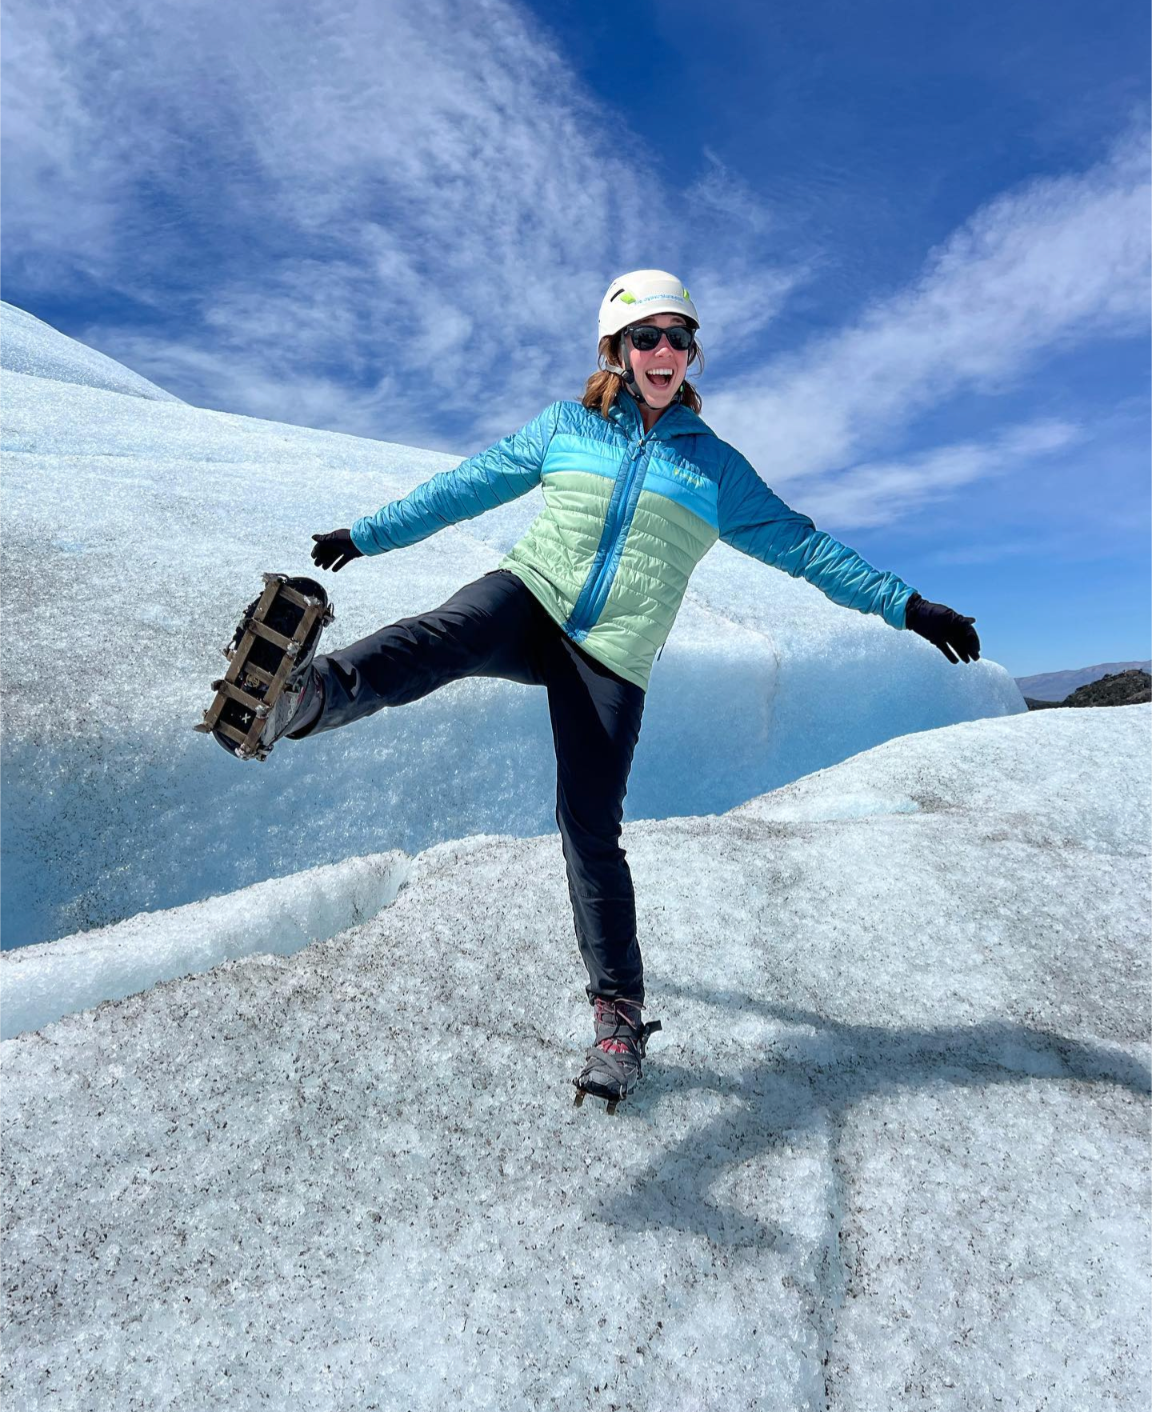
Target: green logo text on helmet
x,y
632,298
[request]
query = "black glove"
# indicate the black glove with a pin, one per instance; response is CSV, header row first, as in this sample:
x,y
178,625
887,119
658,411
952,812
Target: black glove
x,y
953,635
335,549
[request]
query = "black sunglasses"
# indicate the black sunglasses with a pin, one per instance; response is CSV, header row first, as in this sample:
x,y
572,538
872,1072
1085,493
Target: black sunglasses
x,y
645,337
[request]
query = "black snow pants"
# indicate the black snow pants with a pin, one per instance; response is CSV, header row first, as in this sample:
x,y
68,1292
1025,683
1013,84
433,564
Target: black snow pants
x,y
495,627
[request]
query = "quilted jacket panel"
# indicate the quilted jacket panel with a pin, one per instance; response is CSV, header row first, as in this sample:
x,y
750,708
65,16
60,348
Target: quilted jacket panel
x,y
627,517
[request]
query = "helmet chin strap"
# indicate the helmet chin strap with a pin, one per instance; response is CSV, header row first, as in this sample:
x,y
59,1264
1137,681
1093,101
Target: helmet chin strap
x,y
632,385
629,378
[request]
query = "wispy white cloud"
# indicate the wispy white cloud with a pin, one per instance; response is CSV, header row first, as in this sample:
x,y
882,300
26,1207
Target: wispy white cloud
x,y
417,192
59,214
1038,270
723,191
315,399
882,492
397,219
1049,546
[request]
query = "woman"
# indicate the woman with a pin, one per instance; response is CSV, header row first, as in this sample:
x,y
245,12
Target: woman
x,y
636,490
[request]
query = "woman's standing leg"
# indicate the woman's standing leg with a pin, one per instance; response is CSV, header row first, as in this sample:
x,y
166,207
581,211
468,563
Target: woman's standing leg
x,y
595,725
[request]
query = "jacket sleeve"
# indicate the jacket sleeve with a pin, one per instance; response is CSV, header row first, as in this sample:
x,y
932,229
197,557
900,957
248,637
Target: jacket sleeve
x,y
756,521
505,471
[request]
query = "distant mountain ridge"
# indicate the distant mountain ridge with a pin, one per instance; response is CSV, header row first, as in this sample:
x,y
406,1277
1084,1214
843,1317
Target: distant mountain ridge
x,y
1055,686
1128,688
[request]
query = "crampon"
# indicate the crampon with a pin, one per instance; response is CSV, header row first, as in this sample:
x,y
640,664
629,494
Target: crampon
x,y
270,656
614,1063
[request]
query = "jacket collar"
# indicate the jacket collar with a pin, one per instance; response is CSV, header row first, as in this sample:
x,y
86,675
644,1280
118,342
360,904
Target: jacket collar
x,y
678,420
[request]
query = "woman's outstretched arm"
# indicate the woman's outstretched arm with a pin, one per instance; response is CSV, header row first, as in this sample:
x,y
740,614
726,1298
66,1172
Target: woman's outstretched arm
x,y
756,521
503,472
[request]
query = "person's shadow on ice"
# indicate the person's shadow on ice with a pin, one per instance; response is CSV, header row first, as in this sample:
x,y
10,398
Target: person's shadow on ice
x,y
783,1095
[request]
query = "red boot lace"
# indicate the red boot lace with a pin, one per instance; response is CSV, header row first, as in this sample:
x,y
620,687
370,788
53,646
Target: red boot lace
x,y
616,1012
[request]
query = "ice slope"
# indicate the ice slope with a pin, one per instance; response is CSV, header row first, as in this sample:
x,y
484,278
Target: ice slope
x,y
136,531
891,1151
29,345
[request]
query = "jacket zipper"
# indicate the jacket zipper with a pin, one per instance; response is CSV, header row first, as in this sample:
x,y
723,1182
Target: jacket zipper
x,y
592,611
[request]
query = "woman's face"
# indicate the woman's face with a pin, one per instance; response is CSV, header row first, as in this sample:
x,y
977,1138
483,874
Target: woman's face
x,y
652,368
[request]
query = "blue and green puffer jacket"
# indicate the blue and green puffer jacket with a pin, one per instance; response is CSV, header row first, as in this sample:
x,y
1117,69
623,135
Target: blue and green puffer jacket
x,y
627,516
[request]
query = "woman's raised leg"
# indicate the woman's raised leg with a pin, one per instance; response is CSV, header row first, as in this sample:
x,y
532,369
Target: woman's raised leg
x,y
484,629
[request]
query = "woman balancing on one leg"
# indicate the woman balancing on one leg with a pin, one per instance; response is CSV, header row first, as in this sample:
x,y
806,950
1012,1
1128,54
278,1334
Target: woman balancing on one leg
x,y
636,491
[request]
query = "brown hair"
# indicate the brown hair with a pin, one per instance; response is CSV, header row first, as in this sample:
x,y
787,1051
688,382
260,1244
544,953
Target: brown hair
x,y
603,387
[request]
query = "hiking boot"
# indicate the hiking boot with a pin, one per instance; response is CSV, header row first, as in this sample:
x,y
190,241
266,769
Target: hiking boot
x,y
613,1066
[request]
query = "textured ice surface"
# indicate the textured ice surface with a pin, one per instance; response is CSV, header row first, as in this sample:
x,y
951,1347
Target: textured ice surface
x,y
55,978
136,530
890,1152
29,345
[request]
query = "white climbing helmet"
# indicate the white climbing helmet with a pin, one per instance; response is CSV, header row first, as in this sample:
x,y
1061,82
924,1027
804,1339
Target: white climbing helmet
x,y
631,297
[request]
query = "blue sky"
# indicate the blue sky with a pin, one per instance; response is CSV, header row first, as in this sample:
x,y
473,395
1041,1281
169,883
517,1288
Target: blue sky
x,y
917,235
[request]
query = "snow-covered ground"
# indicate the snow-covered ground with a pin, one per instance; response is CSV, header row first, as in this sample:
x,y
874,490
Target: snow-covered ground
x,y
305,1137
891,1151
136,529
